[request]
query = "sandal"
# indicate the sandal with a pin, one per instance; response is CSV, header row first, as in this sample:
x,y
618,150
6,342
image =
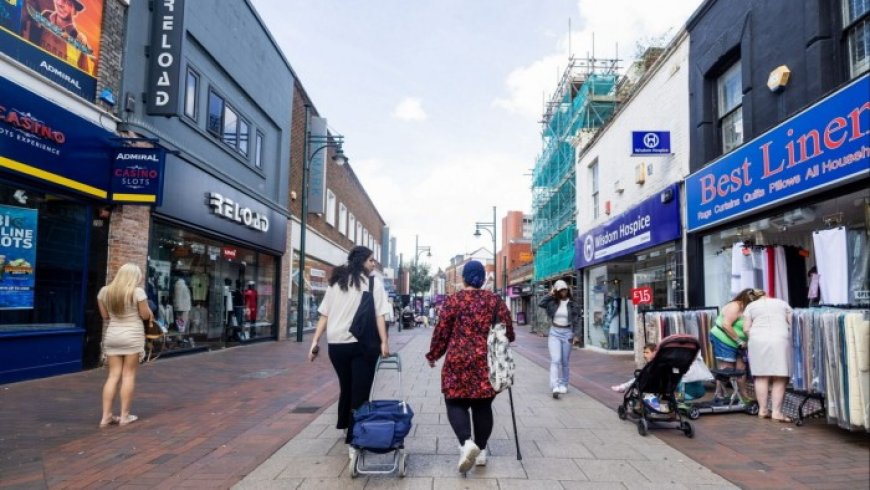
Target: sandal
x,y
783,419
130,420
765,415
114,420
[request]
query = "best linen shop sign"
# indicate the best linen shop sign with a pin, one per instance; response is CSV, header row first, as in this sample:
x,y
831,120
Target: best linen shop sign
x,y
825,144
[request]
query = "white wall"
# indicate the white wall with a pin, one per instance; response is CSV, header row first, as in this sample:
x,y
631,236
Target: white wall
x,y
661,104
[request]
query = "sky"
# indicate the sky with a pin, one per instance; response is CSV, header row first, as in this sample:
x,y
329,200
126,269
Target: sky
x,y
439,100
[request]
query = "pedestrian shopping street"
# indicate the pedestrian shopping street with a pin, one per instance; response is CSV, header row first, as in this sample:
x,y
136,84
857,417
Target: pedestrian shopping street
x,y
261,416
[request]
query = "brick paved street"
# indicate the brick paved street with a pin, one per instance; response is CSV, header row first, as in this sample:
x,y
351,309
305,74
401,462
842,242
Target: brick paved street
x,y
209,420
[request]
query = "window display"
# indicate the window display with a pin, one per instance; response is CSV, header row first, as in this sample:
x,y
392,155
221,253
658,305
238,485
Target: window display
x,y
208,293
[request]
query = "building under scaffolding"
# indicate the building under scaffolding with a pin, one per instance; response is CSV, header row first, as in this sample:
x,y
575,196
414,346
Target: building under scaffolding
x,y
584,100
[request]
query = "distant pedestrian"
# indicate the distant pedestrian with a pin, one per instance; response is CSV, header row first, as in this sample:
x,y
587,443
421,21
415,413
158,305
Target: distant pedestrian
x,y
123,305
353,361
767,322
564,315
461,335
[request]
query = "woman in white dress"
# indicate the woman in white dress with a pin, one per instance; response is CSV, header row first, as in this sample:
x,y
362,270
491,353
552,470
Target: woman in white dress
x,y
767,322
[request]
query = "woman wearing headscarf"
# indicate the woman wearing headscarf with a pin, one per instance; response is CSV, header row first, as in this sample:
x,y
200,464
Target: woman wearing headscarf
x,y
564,315
460,335
353,361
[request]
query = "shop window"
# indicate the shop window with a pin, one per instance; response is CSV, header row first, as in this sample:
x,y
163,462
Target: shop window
x,y
231,126
365,238
359,234
42,260
351,228
342,218
730,107
330,208
258,150
215,113
856,22
593,177
244,129
209,293
191,97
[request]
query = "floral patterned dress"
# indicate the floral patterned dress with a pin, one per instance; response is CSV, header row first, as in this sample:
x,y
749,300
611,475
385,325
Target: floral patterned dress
x,y
461,333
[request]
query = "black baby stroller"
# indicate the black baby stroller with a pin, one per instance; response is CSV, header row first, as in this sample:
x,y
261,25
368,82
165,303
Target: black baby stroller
x,y
650,399
408,319
380,427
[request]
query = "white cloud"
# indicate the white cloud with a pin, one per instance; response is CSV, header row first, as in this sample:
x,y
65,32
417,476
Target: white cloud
x,y
410,109
613,24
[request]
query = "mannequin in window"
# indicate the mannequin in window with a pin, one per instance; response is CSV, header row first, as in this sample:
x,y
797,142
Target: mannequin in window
x,y
251,305
231,323
238,303
181,303
165,314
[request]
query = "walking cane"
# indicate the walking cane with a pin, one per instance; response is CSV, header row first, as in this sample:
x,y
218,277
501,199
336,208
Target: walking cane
x,y
514,420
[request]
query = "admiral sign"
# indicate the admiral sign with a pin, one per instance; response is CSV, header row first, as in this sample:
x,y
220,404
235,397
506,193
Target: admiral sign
x,y
60,42
137,175
650,223
165,52
825,144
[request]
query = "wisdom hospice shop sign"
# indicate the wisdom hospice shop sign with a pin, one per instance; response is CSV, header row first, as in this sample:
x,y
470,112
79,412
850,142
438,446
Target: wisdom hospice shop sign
x,y
826,144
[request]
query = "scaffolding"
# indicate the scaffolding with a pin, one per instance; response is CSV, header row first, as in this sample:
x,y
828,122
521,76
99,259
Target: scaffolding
x,y
584,100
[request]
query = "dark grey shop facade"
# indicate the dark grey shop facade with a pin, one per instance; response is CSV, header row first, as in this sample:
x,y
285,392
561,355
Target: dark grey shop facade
x,y
221,105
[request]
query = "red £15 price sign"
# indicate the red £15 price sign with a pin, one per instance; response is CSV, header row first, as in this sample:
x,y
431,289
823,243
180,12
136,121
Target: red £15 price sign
x,y
642,295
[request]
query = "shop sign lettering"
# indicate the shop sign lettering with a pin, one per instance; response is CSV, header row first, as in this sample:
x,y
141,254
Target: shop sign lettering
x,y
228,209
650,223
823,145
163,81
17,257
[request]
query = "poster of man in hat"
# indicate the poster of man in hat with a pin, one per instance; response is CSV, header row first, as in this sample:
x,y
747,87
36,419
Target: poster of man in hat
x,y
66,29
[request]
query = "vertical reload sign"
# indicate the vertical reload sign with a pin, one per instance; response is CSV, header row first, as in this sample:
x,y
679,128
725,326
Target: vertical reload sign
x,y
165,67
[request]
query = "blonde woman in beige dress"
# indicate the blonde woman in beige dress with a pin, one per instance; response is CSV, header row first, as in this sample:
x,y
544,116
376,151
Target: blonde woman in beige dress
x,y
124,306
767,322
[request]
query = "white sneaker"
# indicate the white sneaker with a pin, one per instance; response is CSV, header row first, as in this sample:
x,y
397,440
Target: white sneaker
x,y
467,455
481,458
556,392
563,389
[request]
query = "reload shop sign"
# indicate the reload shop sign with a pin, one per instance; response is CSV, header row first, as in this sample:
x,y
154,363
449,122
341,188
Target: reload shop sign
x,y
233,211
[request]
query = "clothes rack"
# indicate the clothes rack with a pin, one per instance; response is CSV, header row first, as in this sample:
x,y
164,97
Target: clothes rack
x,y
662,322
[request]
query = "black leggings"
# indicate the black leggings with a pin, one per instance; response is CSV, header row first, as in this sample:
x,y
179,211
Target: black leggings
x,y
355,367
460,421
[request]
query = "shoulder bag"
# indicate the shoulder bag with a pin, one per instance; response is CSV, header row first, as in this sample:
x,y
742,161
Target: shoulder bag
x,y
499,356
364,325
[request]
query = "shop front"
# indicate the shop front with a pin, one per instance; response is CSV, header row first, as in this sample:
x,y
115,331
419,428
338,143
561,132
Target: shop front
x,y
55,184
789,212
213,258
632,262
316,281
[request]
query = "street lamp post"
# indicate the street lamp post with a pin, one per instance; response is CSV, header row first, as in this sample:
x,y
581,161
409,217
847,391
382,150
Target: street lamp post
x,y
335,141
419,249
491,228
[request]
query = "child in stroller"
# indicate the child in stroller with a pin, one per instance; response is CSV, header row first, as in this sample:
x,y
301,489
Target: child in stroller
x,y
649,351
650,398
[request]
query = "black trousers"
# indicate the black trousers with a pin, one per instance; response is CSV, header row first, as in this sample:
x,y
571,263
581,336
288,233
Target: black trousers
x,y
460,420
355,367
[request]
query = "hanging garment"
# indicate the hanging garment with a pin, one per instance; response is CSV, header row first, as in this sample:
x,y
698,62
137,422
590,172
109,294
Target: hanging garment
x,y
781,275
832,263
859,267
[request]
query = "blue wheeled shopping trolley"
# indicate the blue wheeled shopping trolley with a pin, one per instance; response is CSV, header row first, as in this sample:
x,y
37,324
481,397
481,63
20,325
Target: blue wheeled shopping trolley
x,y
380,427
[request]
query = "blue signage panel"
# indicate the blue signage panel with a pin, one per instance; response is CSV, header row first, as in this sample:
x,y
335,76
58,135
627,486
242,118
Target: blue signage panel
x,y
650,142
61,43
650,223
827,143
137,175
17,257
45,142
